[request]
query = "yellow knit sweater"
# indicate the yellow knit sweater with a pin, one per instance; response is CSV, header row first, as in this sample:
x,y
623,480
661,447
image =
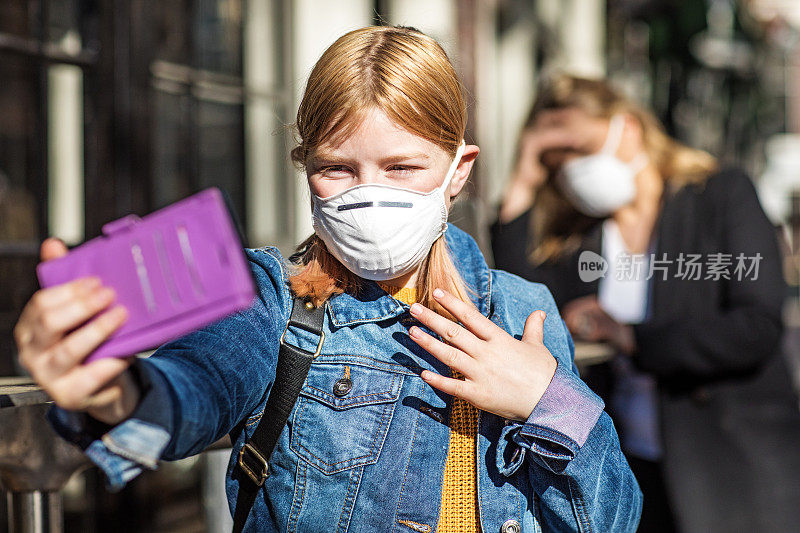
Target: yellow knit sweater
x,y
459,510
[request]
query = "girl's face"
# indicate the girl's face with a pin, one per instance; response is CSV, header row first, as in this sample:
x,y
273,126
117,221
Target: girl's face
x,y
380,152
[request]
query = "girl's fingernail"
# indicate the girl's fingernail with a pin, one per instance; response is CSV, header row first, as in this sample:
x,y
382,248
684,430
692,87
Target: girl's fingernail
x,y
118,313
414,332
415,309
438,293
103,296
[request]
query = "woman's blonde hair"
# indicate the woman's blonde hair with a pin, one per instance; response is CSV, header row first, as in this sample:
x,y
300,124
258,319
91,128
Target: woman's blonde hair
x,y
408,76
557,226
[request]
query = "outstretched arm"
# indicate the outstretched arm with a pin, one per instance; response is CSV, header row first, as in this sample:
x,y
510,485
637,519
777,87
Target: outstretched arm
x,y
192,391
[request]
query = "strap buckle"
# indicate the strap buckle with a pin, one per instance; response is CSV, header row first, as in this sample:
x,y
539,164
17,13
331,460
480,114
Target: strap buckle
x,y
257,469
307,328
319,344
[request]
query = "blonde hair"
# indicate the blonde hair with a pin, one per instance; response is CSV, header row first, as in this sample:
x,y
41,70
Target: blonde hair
x,y
407,75
557,226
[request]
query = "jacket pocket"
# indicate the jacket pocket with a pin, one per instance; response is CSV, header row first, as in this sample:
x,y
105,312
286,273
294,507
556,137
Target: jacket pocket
x,y
343,414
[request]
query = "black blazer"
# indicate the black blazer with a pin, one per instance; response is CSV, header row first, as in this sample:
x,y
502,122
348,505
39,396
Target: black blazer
x,y
729,412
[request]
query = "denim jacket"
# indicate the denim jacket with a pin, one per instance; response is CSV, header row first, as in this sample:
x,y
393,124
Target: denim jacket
x,y
372,460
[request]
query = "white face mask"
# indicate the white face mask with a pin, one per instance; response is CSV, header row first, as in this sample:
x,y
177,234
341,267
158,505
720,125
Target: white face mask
x,y
380,232
599,184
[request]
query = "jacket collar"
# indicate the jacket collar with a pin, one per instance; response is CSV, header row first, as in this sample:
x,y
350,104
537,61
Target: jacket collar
x,y
372,304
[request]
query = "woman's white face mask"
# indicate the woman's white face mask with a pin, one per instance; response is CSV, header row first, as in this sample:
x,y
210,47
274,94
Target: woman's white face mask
x,y
380,232
599,184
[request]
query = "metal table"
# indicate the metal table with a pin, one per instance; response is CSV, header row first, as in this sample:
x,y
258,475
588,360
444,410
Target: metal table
x,y
35,463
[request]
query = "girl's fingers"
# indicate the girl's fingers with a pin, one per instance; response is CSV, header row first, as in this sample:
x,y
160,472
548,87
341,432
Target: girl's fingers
x,y
454,387
77,311
451,332
77,345
467,314
34,326
39,323
52,248
58,295
534,328
449,355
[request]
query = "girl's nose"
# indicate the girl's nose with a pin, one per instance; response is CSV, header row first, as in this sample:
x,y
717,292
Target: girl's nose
x,y
370,176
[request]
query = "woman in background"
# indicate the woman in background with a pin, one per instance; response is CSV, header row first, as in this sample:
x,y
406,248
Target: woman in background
x,y
690,298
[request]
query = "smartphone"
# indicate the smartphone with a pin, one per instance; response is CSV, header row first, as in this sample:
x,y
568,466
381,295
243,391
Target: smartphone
x,y
175,271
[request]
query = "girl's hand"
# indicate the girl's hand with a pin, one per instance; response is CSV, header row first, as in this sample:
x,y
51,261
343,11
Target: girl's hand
x,y
588,321
52,352
502,375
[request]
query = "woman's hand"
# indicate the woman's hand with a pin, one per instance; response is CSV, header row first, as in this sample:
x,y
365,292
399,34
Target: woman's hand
x,y
588,321
529,174
52,352
502,375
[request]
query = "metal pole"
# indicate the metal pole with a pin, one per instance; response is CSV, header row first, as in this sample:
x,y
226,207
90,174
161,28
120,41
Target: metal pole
x,y
35,512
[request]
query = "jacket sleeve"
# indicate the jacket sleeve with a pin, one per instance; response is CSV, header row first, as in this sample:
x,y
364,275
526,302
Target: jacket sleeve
x,y
195,389
746,327
571,449
575,462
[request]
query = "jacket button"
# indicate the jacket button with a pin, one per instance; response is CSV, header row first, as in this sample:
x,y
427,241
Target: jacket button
x,y
511,526
342,387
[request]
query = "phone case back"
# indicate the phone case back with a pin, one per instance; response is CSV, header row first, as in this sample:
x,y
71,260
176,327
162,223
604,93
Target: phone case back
x,y
175,270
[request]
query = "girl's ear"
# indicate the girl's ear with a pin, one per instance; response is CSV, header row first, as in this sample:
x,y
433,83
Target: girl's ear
x,y
463,169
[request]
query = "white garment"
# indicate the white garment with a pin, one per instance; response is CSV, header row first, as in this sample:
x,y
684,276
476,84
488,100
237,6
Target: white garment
x,y
623,294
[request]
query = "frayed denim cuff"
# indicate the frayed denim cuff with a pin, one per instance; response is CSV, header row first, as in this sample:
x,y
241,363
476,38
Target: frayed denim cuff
x,y
122,453
124,450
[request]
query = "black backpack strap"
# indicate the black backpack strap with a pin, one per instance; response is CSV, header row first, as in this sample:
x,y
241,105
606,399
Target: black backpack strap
x,y
290,374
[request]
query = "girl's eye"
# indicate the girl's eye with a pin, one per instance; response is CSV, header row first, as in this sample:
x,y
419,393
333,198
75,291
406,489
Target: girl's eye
x,y
335,171
401,169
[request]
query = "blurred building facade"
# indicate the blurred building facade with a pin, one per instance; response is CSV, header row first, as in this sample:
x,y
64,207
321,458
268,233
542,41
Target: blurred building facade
x,y
110,108
116,107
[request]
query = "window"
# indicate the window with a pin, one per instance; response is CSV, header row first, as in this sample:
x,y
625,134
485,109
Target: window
x,y
42,63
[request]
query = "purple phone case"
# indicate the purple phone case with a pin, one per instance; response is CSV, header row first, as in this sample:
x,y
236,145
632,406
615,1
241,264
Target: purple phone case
x,y
175,271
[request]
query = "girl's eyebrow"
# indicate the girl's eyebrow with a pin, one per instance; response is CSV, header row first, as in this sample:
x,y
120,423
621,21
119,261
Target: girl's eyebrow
x,y
406,157
328,158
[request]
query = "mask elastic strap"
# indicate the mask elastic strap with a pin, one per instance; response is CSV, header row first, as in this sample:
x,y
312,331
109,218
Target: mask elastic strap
x,y
453,166
614,137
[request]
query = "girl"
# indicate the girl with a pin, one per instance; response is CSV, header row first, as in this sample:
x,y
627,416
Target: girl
x,y
383,437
